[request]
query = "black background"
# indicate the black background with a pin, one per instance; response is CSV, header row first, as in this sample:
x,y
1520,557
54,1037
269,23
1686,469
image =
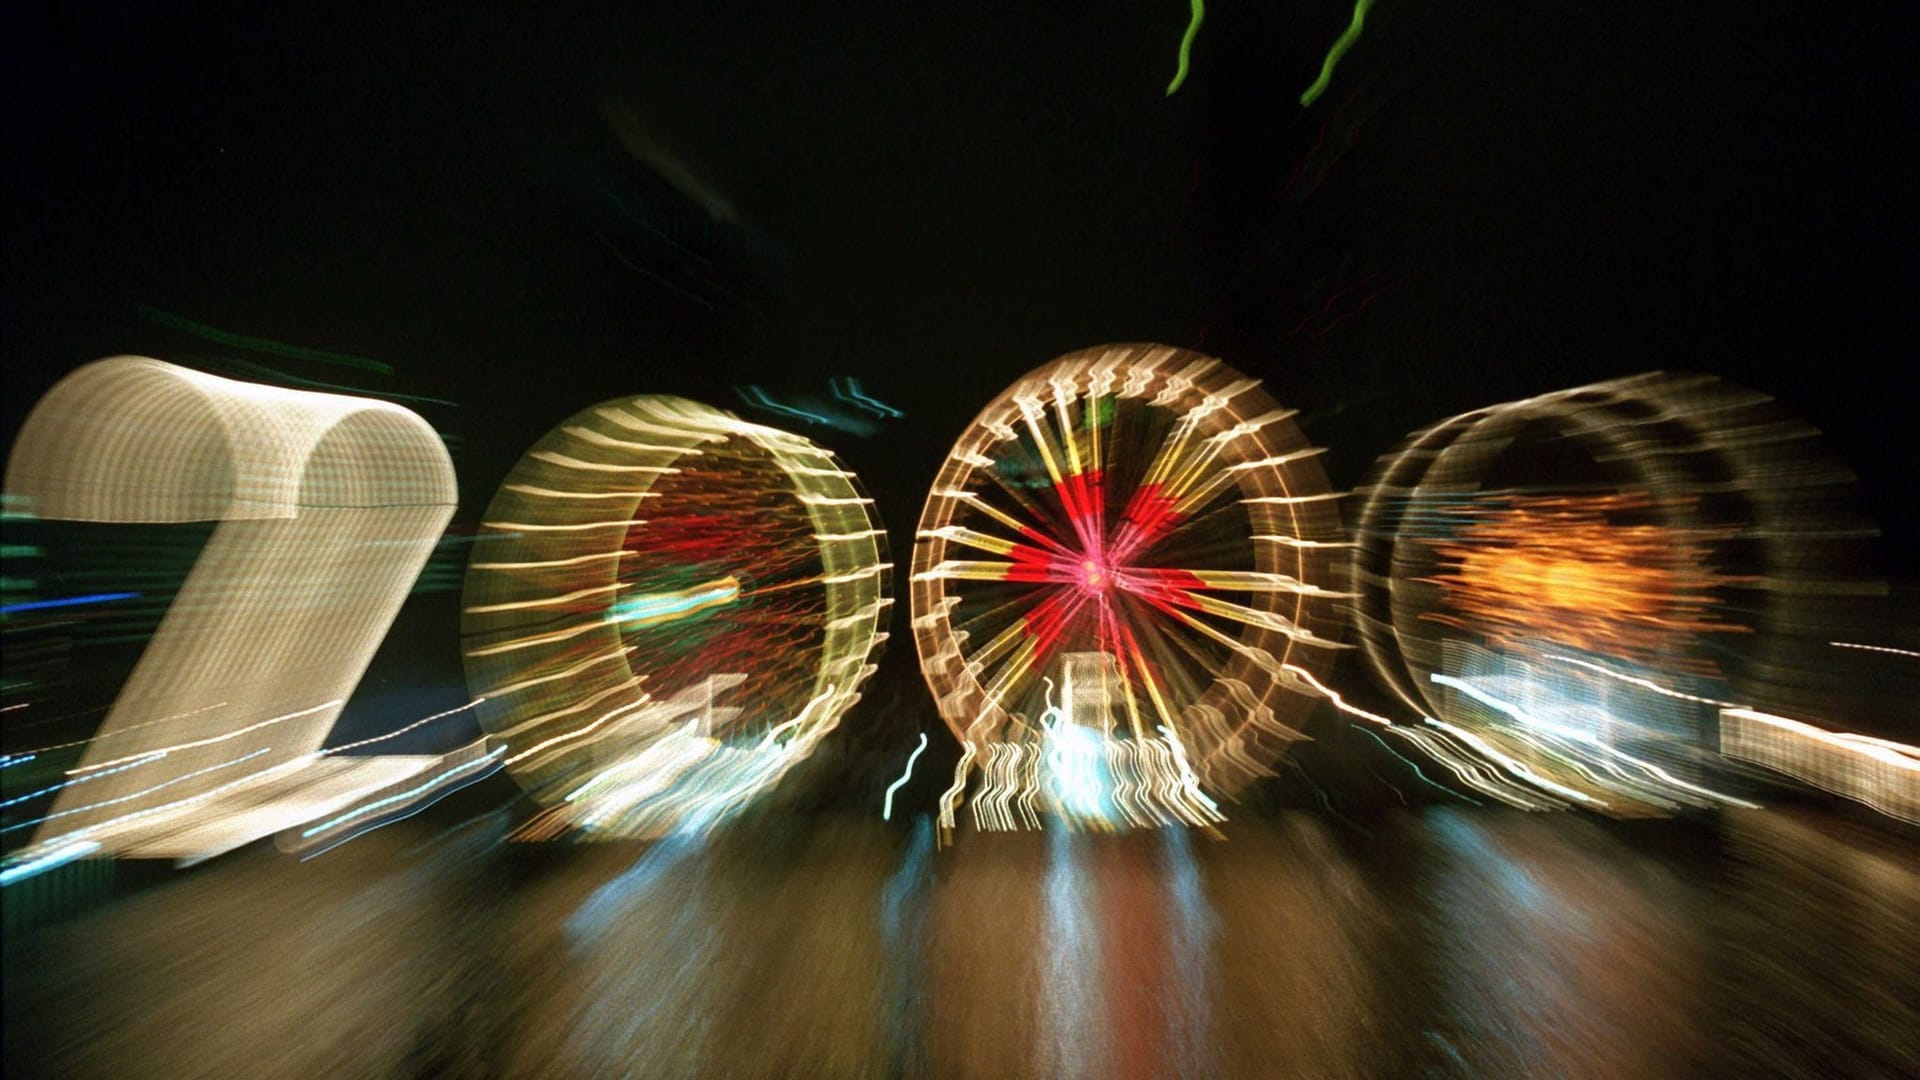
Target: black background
x,y
1491,200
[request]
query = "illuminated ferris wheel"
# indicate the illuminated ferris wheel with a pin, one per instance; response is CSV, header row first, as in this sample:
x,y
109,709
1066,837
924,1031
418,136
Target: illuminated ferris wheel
x,y
1128,548
668,607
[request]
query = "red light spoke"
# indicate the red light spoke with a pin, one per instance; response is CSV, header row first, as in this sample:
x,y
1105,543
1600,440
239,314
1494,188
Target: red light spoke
x,y
1018,493
1094,569
1044,540
1149,517
1031,566
1164,588
1049,620
1085,504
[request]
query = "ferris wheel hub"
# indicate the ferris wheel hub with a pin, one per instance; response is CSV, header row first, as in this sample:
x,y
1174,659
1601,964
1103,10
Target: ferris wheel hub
x,y
1095,577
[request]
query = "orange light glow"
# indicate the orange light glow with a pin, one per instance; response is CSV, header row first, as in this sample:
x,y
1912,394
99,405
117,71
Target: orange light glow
x,y
1527,572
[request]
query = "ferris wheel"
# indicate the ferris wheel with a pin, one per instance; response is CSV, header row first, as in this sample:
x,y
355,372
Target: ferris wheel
x,y
1128,549
667,608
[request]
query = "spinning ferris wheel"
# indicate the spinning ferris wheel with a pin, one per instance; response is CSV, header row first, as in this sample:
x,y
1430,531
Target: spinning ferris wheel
x,y
1129,549
668,608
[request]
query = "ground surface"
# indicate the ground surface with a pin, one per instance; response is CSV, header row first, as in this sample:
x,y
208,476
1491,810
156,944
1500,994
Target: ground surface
x,y
1441,942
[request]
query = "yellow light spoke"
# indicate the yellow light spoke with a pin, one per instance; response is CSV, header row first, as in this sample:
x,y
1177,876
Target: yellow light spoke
x,y
1257,581
1266,620
967,570
960,534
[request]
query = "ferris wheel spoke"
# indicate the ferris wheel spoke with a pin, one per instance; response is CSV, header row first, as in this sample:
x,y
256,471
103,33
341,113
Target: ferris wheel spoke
x,y
1202,464
1041,522
1158,579
1204,666
1205,519
1131,644
1085,501
1178,493
1090,415
997,646
1149,516
1069,441
1172,450
1200,484
973,538
1184,668
1150,509
1125,670
1196,474
1076,492
1197,499
1142,631
971,570
1265,620
1026,531
1083,489
1011,683
1033,416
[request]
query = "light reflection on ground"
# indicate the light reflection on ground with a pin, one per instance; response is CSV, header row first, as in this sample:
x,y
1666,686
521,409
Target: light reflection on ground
x,y
1469,943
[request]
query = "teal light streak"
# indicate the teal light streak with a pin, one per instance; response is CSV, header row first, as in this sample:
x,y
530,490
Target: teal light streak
x,y
65,853
136,763
848,390
1416,768
757,396
653,607
1186,45
258,344
56,815
1334,54
363,811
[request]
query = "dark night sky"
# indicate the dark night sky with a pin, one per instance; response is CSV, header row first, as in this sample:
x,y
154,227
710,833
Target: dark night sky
x,y
1491,200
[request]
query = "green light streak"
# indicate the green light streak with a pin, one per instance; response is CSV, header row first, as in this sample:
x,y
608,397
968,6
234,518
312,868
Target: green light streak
x,y
262,345
1186,45
1334,54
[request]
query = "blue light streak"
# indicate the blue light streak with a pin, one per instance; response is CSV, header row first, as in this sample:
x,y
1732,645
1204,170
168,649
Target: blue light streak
x,y
70,601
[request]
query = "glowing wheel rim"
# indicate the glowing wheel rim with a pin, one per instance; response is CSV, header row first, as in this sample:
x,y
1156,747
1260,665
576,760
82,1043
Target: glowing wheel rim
x,y
1142,509
666,609
1575,582
1712,457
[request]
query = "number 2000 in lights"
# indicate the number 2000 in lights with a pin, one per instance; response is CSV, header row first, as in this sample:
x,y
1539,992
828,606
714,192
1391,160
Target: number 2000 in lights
x,y
668,607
